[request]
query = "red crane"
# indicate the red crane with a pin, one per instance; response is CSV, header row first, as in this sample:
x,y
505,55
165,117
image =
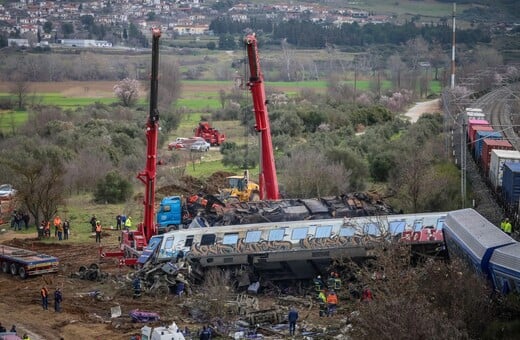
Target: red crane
x,y
267,181
147,176
134,241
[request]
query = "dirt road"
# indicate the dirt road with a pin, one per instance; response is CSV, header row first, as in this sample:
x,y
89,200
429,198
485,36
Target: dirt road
x,y
419,108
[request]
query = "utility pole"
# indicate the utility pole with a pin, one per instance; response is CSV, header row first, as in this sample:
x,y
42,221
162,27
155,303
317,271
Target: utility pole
x,y
453,51
463,150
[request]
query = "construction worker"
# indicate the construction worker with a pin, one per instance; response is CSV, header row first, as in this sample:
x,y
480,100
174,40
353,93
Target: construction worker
x,y
332,302
137,287
322,297
57,223
44,293
128,223
366,295
507,227
98,232
58,297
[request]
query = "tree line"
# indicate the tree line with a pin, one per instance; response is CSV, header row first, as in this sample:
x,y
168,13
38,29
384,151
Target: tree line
x,y
308,34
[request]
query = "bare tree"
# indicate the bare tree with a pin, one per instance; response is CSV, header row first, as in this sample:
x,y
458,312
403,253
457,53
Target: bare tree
x,y
397,68
307,173
20,88
287,59
127,90
430,291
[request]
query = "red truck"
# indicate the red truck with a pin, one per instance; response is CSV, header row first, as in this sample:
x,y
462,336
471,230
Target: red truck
x,y
211,135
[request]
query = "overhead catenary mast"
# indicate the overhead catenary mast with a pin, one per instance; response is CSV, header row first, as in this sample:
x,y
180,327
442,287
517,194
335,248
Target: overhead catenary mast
x,y
452,85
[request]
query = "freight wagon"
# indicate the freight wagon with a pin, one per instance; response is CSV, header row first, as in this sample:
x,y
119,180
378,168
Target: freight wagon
x,y
26,263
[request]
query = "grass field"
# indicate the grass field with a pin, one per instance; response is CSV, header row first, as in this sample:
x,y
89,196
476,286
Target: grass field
x,y
402,8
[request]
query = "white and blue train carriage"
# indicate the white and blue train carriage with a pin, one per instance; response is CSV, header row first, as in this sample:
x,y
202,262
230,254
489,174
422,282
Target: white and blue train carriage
x,y
505,268
470,236
294,249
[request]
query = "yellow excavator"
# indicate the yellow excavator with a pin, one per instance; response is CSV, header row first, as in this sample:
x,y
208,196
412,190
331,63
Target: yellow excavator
x,y
242,188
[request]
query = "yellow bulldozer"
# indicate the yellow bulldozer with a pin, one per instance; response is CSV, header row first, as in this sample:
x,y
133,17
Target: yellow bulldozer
x,y
241,188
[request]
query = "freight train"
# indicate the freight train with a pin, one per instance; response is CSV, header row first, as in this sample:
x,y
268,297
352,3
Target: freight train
x,y
487,249
497,160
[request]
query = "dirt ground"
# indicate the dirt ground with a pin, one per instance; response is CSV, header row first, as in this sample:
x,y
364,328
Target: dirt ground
x,y
87,317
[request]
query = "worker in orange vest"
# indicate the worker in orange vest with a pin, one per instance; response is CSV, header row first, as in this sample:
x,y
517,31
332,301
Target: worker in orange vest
x,y
57,223
44,293
98,232
332,302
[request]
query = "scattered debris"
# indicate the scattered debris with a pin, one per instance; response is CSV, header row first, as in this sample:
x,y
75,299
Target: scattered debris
x,y
91,273
142,316
115,312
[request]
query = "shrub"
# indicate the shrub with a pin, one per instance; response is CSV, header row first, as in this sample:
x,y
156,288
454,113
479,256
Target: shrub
x,y
112,189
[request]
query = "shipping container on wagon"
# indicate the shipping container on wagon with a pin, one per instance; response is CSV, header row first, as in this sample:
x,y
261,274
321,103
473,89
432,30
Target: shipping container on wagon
x,y
511,183
496,165
479,141
475,126
474,113
492,144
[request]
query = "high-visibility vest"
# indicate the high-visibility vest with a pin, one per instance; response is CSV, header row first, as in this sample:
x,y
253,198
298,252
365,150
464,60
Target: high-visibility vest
x,y
332,299
128,222
44,292
98,228
507,227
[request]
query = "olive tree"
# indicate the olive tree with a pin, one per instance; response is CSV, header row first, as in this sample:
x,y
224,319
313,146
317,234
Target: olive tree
x,y
39,169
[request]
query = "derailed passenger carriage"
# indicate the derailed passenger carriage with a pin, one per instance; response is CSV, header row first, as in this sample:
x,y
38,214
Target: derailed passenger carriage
x,y
491,253
293,249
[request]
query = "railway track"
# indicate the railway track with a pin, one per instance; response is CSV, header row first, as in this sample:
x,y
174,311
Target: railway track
x,y
496,104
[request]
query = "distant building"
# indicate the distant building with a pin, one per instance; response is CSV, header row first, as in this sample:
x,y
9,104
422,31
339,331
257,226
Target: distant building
x,y
85,43
18,42
191,29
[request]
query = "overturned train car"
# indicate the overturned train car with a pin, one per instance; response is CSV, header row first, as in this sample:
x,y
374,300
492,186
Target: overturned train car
x,y
293,249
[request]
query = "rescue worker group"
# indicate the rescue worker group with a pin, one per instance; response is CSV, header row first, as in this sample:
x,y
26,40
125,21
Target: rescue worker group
x,y
327,297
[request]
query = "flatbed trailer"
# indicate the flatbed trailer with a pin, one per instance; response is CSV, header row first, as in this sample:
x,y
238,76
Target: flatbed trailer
x,y
25,263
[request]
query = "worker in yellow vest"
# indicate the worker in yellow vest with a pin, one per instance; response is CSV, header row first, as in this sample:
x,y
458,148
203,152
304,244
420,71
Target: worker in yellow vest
x,y
507,227
128,223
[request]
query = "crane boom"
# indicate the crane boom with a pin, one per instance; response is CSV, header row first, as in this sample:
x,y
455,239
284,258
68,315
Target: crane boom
x,y
148,175
268,181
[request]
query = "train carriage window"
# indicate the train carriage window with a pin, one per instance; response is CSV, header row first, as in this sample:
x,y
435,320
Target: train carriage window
x,y
417,225
253,236
347,232
440,224
372,229
189,241
323,231
230,239
397,227
276,235
207,240
169,243
299,233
